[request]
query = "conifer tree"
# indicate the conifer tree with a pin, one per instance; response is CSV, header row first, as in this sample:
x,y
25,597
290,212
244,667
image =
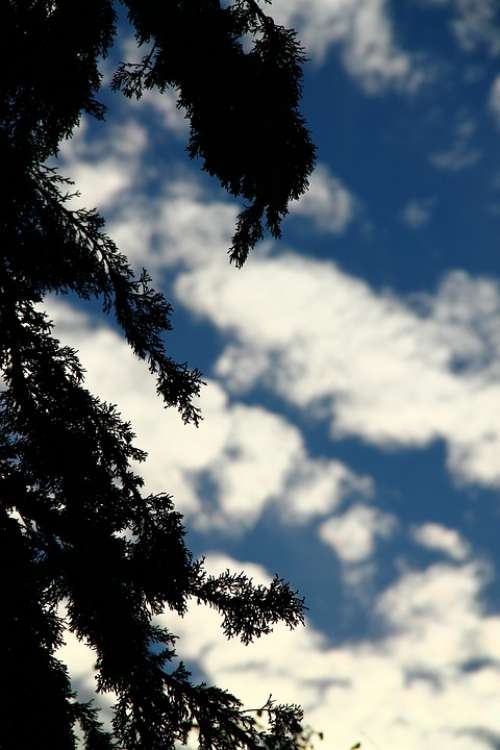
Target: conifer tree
x,y
76,527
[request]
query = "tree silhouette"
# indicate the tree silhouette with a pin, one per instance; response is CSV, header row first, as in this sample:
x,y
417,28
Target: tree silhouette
x,y
75,526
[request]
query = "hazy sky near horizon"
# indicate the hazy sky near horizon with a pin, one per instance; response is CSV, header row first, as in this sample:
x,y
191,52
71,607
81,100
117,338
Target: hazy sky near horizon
x,y
351,433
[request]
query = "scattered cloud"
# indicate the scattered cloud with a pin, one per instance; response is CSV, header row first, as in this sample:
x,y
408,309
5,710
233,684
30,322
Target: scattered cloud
x,y
328,203
381,368
460,155
363,31
417,212
434,536
378,367
384,369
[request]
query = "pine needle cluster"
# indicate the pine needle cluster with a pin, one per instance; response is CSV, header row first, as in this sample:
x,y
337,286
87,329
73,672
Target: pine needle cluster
x,y
76,527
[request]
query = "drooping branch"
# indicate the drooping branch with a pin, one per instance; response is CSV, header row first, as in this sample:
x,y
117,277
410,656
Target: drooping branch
x,y
242,104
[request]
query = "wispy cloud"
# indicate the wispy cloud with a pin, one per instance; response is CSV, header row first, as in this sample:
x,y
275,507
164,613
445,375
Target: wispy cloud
x,y
461,154
417,212
474,23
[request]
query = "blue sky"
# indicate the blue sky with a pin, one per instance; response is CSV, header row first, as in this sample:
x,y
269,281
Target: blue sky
x,y
351,439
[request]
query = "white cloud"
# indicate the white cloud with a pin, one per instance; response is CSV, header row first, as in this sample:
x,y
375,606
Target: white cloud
x,y
417,212
353,534
250,457
103,170
260,450
99,186
264,461
442,539
328,203
178,226
380,368
365,34
410,688
459,155
318,487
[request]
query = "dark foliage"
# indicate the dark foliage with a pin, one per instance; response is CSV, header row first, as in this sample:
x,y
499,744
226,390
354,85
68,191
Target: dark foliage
x,y
75,526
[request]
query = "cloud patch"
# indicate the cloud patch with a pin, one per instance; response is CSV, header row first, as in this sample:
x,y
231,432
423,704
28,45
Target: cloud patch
x,y
104,170
328,203
364,33
439,538
353,535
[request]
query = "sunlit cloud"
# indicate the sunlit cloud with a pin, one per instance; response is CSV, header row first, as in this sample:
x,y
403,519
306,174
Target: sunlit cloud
x,y
353,534
431,677
429,680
